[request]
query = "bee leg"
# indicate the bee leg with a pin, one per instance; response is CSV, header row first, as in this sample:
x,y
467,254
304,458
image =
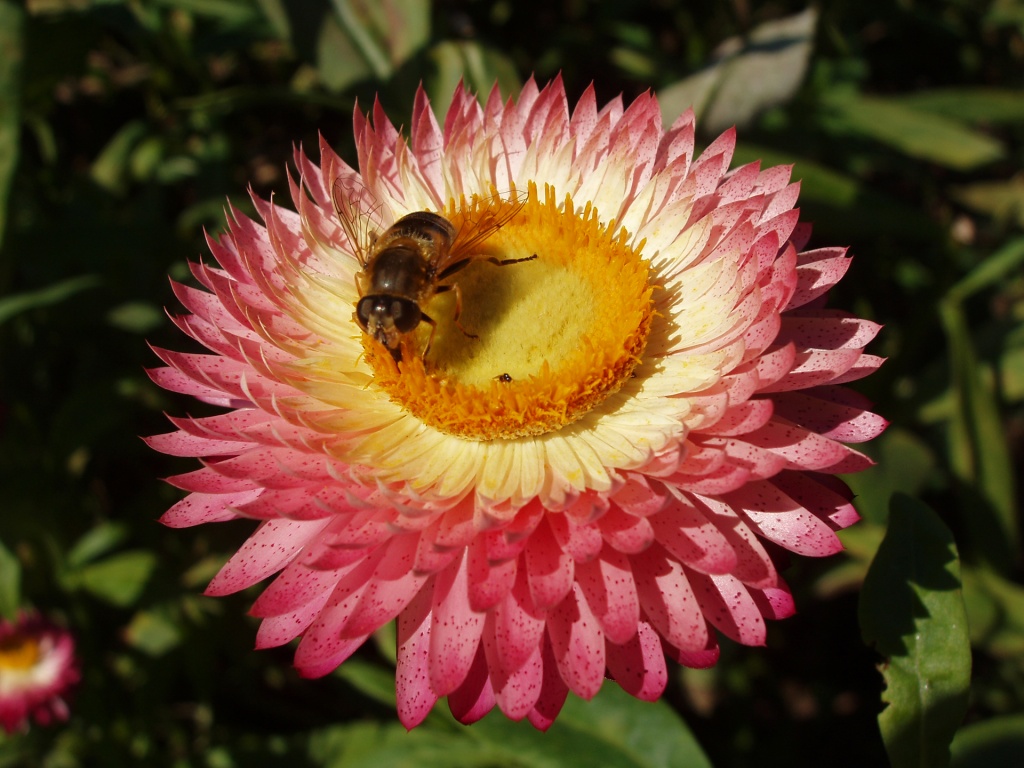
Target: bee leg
x,y
425,318
505,262
458,306
458,312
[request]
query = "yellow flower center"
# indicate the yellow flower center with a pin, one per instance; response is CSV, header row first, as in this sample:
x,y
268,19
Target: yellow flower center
x,y
18,653
541,341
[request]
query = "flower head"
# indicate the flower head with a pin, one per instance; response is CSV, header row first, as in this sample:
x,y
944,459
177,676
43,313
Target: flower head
x,y
621,385
37,668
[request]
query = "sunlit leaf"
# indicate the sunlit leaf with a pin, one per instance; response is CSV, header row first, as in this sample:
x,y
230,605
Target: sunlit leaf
x,y
384,32
990,743
11,30
136,317
1003,200
747,76
975,104
339,62
913,132
912,612
118,579
54,294
96,543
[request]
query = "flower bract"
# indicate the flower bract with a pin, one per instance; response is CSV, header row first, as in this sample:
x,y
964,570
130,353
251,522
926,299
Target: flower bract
x,y
620,400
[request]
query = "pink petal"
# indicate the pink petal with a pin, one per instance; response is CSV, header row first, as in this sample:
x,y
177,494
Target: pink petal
x,y
516,692
696,541
704,658
607,584
727,604
273,545
455,630
779,518
626,533
550,570
667,601
578,645
552,694
489,584
518,626
393,585
326,665
638,665
415,695
199,508
279,630
474,698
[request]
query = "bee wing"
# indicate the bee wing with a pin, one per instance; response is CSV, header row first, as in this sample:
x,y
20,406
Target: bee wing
x,y
475,230
361,214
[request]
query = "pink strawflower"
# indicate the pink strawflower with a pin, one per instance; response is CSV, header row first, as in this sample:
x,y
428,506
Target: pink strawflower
x,y
37,669
578,478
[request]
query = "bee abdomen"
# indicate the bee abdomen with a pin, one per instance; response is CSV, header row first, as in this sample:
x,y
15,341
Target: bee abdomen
x,y
426,224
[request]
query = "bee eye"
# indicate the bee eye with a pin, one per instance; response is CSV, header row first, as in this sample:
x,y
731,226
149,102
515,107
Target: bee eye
x,y
405,315
363,309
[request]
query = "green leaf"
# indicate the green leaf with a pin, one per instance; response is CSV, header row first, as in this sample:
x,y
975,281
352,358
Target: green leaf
x,y
120,579
111,170
10,583
1002,200
338,62
53,294
912,612
612,731
478,67
904,464
976,104
651,734
915,133
990,743
746,76
96,542
136,317
979,454
995,606
11,32
373,680
153,632
992,270
385,32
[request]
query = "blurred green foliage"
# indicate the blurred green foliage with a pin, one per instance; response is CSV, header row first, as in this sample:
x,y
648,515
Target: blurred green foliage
x,y
127,125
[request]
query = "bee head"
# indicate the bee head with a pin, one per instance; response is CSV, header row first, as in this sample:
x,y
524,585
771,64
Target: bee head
x,y
388,318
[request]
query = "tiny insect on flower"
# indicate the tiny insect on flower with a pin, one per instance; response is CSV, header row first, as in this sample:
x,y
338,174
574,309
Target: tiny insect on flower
x,y
626,383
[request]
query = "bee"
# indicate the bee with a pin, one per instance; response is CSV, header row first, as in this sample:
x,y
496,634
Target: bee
x,y
406,264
